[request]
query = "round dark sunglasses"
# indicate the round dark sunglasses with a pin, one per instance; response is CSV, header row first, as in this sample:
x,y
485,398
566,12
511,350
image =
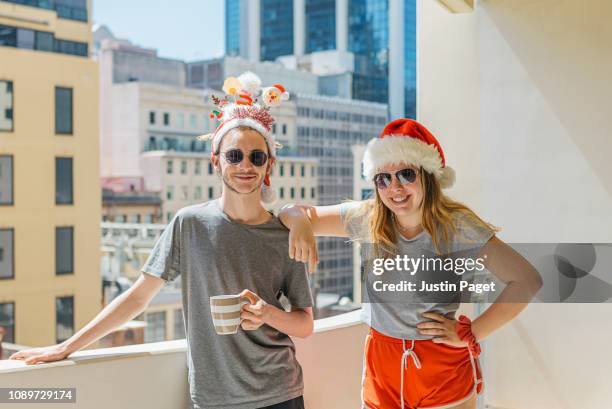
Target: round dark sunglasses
x,y
405,176
235,156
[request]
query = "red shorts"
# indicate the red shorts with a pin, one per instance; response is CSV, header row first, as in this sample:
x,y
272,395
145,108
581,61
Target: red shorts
x,y
430,375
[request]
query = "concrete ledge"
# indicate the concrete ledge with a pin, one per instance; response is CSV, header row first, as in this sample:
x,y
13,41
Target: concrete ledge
x,y
157,348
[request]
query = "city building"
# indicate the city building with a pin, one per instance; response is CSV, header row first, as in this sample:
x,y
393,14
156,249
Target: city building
x,y
367,46
50,202
210,74
131,207
327,127
164,316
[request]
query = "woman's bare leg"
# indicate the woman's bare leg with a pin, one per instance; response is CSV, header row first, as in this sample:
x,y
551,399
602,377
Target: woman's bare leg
x,y
468,404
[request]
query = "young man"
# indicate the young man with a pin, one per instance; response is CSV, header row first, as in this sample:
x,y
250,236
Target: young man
x,y
226,246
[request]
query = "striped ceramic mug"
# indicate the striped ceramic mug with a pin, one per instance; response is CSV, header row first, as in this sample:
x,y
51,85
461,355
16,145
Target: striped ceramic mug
x,y
225,310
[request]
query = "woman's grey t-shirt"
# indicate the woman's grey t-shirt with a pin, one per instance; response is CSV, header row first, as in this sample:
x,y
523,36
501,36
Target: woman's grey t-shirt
x,y
215,255
397,314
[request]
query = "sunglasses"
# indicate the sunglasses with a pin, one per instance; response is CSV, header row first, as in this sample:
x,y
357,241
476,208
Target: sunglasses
x,y
235,156
405,176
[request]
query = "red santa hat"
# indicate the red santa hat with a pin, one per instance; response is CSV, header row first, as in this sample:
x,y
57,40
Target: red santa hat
x,y
407,141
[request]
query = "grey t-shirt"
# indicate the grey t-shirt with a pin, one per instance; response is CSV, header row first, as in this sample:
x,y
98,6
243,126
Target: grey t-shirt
x,y
215,255
397,314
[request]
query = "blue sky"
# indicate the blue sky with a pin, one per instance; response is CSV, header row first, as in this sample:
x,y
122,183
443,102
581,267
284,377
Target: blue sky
x,y
183,29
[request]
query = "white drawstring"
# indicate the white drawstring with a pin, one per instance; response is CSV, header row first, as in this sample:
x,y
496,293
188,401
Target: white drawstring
x,y
475,375
404,365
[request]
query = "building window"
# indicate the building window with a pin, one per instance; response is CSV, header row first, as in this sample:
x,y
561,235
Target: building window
x,y
169,192
276,29
282,193
282,170
166,118
70,9
179,325
274,129
303,192
284,129
184,193
64,250
63,111
193,121
210,168
152,117
198,167
63,181
292,170
7,321
6,179
169,166
6,104
211,192
156,326
303,171
64,318
312,171
312,192
183,167
180,120
7,255
197,194
320,25
293,193
169,217
366,194
25,38
40,40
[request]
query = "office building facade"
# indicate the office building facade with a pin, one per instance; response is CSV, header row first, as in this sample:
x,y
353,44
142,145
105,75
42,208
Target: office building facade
x,y
379,35
50,205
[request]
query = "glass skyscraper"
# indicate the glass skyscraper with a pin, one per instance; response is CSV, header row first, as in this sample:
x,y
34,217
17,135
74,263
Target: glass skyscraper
x,y
368,40
410,59
232,27
361,27
320,25
276,29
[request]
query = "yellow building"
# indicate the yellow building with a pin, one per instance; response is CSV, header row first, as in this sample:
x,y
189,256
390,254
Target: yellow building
x,y
50,205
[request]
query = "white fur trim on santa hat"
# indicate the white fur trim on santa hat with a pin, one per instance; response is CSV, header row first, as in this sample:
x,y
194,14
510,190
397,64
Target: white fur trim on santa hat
x,y
396,149
448,177
225,127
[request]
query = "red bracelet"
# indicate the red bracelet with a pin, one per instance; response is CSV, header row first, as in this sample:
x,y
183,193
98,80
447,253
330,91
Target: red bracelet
x,y
463,328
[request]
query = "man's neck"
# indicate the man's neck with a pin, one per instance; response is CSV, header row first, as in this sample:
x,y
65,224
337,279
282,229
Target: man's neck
x,y
244,208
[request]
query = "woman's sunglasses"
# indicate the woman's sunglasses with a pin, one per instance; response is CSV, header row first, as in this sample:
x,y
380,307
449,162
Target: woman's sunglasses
x,y
405,176
235,156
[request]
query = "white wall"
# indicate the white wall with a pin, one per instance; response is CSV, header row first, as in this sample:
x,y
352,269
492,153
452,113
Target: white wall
x,y
517,92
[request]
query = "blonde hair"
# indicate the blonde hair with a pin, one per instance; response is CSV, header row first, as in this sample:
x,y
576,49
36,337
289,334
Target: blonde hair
x,y
438,218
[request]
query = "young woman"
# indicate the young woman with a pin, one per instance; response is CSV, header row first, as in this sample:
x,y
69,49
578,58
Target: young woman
x,y
417,354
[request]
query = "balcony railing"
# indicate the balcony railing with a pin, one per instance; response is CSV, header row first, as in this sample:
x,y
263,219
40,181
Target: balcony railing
x,y
155,375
